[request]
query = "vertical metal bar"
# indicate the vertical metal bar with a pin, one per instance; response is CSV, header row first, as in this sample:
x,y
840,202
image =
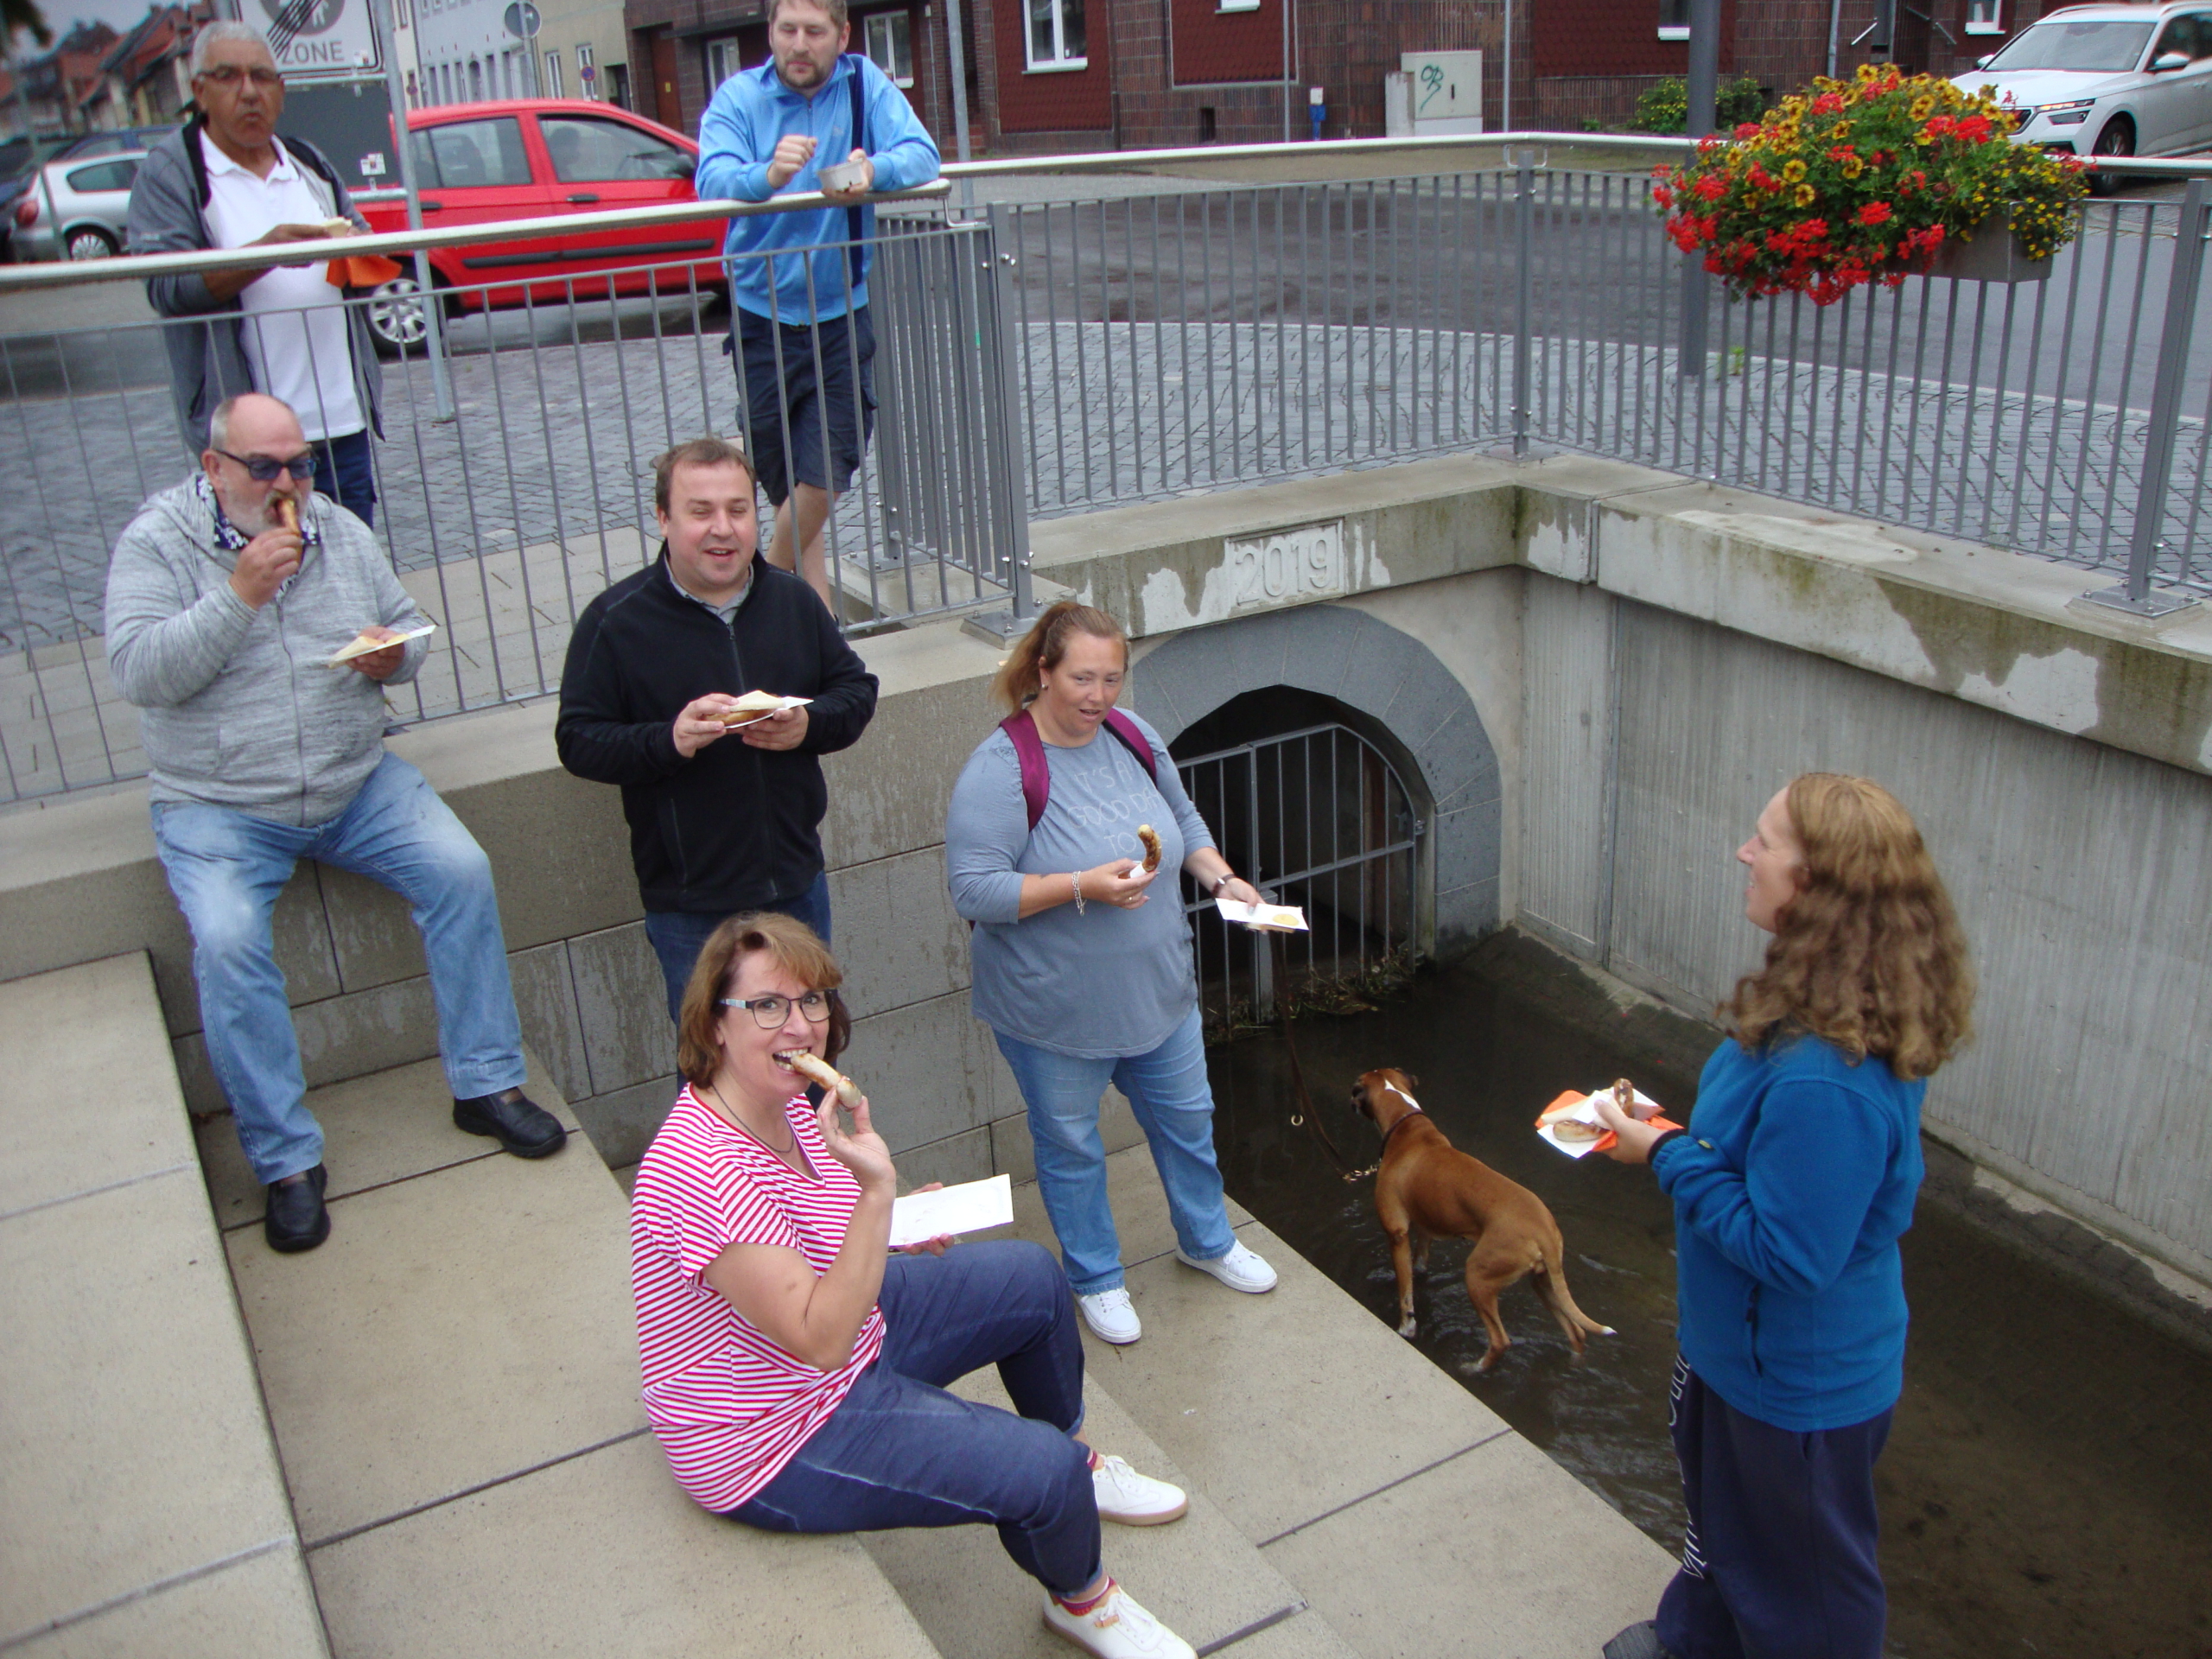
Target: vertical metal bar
x,y
1002,220
2166,389
1524,177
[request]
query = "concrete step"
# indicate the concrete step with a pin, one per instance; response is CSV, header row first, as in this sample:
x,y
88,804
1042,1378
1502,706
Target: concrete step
x,y
141,1508
452,1383
1380,1503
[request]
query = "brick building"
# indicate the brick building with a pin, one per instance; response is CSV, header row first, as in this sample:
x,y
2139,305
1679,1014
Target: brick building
x,y
681,50
1188,71
1064,75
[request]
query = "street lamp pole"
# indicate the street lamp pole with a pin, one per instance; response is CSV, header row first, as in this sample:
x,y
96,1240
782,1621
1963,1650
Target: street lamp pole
x,y
1704,90
434,338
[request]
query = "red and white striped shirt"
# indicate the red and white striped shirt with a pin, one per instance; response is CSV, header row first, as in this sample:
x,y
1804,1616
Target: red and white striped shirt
x,y
729,1407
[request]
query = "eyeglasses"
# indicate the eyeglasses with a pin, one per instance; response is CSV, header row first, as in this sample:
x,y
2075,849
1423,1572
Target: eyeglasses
x,y
229,74
770,1011
263,469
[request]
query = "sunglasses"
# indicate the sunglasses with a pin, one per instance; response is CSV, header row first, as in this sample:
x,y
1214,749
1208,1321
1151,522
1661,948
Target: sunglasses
x,y
770,1012
263,469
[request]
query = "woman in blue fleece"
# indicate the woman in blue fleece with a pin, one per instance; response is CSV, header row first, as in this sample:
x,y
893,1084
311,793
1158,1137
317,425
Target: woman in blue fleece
x,y
1791,1186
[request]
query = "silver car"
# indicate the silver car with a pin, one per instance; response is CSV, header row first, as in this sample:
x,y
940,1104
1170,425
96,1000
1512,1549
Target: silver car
x,y
88,201
2108,79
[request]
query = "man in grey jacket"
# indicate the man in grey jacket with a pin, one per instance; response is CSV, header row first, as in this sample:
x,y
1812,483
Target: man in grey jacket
x,y
226,181
221,620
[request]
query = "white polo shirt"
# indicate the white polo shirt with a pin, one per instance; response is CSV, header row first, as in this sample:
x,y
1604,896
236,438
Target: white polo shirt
x,y
295,326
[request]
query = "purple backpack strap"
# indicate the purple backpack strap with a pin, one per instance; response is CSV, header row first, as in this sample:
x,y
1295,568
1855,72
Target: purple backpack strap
x,y
1037,776
1029,749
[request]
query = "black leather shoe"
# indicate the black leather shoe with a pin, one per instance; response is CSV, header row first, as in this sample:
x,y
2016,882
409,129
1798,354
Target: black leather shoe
x,y
296,1220
525,1129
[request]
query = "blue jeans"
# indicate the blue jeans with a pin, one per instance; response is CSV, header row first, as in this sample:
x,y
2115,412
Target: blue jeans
x,y
900,1451
678,936
1173,1103
344,472
226,868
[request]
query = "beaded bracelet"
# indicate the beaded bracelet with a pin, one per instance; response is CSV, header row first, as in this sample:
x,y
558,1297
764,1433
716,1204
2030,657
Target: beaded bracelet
x,y
1074,880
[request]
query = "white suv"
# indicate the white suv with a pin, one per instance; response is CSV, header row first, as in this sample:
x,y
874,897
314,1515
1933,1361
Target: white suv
x,y
2108,79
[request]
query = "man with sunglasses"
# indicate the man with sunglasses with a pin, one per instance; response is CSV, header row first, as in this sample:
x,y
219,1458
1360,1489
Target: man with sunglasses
x,y
227,598
226,181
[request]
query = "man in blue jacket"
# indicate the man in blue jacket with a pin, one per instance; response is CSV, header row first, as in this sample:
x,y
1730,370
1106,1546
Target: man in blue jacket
x,y
798,281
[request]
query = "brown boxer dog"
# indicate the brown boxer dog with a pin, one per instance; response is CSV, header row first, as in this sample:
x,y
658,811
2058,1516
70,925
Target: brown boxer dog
x,y
1427,1188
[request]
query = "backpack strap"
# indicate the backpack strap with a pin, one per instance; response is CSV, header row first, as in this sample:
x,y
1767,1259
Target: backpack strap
x,y
1036,773
853,214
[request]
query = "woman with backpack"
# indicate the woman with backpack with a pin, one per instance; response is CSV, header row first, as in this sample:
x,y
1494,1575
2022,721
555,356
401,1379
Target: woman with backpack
x,y
1085,974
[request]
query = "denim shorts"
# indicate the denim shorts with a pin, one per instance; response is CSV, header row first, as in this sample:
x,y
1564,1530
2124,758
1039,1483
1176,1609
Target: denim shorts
x,y
806,417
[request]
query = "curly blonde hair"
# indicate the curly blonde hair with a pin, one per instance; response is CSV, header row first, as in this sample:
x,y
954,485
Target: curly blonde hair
x,y
1868,956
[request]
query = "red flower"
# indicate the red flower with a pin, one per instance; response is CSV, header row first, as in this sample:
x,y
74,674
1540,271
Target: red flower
x,y
1874,213
1710,188
1828,103
1939,125
1975,129
1663,196
1747,129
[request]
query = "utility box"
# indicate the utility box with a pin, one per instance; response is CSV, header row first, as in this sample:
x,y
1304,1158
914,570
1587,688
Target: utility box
x,y
1398,105
1445,92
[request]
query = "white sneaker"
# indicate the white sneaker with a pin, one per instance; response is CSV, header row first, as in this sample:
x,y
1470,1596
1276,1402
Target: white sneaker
x,y
1108,1313
1133,1499
1240,1269
1116,1628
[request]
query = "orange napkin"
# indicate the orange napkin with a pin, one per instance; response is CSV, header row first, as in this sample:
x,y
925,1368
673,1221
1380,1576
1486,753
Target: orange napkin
x,y
362,270
1569,1096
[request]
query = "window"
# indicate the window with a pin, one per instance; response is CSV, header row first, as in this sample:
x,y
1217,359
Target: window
x,y
1238,5
889,45
108,175
1056,34
586,74
587,149
1674,20
1985,16
2185,34
463,153
553,86
721,60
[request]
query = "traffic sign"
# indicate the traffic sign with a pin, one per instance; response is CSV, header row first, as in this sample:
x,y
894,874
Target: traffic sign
x,y
522,19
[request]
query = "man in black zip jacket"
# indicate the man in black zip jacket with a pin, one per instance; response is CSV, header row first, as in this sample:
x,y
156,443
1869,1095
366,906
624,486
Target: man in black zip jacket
x,y
721,819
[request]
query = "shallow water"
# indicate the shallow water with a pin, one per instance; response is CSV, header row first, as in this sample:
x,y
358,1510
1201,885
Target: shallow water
x,y
2048,1484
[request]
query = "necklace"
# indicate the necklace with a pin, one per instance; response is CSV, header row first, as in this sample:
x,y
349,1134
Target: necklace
x,y
722,1106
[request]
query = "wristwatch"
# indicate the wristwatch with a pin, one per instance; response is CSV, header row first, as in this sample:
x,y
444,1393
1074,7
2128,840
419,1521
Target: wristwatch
x,y
1219,882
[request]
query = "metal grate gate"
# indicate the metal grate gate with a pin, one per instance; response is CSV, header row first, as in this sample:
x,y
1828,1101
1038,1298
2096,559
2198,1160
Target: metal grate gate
x,y
1320,818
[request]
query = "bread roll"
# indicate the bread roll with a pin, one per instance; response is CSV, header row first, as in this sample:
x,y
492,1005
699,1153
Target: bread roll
x,y
815,1069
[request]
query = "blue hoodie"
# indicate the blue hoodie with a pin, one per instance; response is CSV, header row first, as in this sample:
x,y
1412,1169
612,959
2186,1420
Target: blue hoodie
x,y
737,137
1791,1188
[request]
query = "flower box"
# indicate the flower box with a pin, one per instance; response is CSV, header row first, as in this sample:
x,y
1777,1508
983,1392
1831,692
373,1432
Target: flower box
x,y
1995,254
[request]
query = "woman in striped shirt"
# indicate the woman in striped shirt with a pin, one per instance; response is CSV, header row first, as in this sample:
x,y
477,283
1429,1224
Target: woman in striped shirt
x,y
795,1368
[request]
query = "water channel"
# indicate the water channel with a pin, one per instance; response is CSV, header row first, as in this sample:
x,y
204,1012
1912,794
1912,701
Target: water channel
x,y
2045,1487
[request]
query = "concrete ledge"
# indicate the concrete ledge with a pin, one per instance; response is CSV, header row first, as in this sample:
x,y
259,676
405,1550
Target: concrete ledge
x,y
141,1510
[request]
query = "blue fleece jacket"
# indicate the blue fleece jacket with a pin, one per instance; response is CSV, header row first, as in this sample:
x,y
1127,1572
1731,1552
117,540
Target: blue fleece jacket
x,y
737,138
1791,1188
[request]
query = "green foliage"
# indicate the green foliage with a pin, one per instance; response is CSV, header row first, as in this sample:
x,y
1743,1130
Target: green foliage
x,y
18,15
1665,105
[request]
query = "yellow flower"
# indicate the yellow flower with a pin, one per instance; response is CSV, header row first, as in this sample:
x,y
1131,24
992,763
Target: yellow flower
x,y
1923,107
1793,172
1853,168
1802,196
1867,72
1841,129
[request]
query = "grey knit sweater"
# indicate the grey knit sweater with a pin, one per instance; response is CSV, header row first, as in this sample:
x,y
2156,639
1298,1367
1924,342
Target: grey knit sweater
x,y
239,711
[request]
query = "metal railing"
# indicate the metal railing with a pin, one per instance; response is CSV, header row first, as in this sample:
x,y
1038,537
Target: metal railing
x,y
1049,358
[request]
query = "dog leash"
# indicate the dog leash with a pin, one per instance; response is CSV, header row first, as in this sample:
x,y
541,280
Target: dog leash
x,y
1305,1115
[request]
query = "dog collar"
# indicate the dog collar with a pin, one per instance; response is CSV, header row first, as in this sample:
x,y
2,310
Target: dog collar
x,y
1401,1124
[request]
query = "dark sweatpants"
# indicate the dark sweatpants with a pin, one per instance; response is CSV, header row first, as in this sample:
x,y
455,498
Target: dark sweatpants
x,y
1780,1559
